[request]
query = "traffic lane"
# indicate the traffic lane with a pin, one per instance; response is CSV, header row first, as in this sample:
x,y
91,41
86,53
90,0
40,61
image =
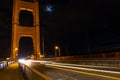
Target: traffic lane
x,y
88,69
92,67
90,73
66,74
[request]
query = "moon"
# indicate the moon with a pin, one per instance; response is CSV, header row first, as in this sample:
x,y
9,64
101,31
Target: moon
x,y
49,8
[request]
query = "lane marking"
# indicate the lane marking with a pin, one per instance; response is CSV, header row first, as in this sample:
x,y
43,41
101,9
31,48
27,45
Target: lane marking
x,y
81,72
67,76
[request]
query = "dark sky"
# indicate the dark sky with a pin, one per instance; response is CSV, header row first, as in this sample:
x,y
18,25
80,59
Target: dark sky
x,y
80,26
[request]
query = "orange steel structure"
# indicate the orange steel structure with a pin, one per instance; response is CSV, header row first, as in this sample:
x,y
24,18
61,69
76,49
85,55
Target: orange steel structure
x,y
25,31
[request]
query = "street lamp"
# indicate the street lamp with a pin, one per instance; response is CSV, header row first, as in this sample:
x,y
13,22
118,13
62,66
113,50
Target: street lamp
x,y
57,51
56,47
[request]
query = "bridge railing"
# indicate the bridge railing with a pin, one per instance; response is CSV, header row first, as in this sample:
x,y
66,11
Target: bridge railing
x,y
32,74
4,64
106,63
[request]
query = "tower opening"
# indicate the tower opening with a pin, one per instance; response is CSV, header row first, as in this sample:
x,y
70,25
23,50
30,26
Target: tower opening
x,y
25,47
26,18
29,1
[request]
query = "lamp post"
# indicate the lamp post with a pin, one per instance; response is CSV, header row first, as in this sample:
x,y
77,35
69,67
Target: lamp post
x,y
57,51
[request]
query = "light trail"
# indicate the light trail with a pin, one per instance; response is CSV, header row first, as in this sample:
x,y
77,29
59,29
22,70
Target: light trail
x,y
85,65
50,63
63,66
92,74
73,68
28,62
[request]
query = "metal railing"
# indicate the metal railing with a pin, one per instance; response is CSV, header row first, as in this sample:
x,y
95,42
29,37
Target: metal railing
x,y
32,74
4,64
106,63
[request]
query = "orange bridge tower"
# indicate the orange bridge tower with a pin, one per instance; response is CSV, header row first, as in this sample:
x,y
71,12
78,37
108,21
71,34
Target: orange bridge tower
x,y
18,30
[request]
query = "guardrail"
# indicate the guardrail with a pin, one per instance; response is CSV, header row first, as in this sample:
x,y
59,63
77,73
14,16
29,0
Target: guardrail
x,y
107,63
4,64
32,74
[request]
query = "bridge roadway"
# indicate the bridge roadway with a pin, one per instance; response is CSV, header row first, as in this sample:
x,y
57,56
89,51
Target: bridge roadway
x,y
58,71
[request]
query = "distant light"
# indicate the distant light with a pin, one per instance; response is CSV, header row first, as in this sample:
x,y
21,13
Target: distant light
x,y
7,58
56,47
49,8
16,49
21,60
27,62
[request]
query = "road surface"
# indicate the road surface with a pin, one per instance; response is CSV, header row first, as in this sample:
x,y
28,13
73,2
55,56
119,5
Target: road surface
x,y
59,71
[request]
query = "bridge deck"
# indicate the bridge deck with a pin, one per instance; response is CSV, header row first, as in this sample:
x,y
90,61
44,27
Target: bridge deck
x,y
11,72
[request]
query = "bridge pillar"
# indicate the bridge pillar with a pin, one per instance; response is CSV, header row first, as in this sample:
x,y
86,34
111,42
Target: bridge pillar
x,y
19,31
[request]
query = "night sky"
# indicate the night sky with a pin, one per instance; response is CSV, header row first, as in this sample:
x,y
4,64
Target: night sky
x,y
76,26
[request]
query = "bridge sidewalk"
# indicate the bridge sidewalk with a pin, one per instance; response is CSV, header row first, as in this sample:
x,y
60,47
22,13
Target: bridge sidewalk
x,y
11,72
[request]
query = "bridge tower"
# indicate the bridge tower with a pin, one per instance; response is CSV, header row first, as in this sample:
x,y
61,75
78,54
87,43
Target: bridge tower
x,y
19,31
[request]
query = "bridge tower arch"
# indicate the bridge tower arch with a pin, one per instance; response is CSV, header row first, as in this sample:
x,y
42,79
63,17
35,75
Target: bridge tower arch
x,y
19,31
